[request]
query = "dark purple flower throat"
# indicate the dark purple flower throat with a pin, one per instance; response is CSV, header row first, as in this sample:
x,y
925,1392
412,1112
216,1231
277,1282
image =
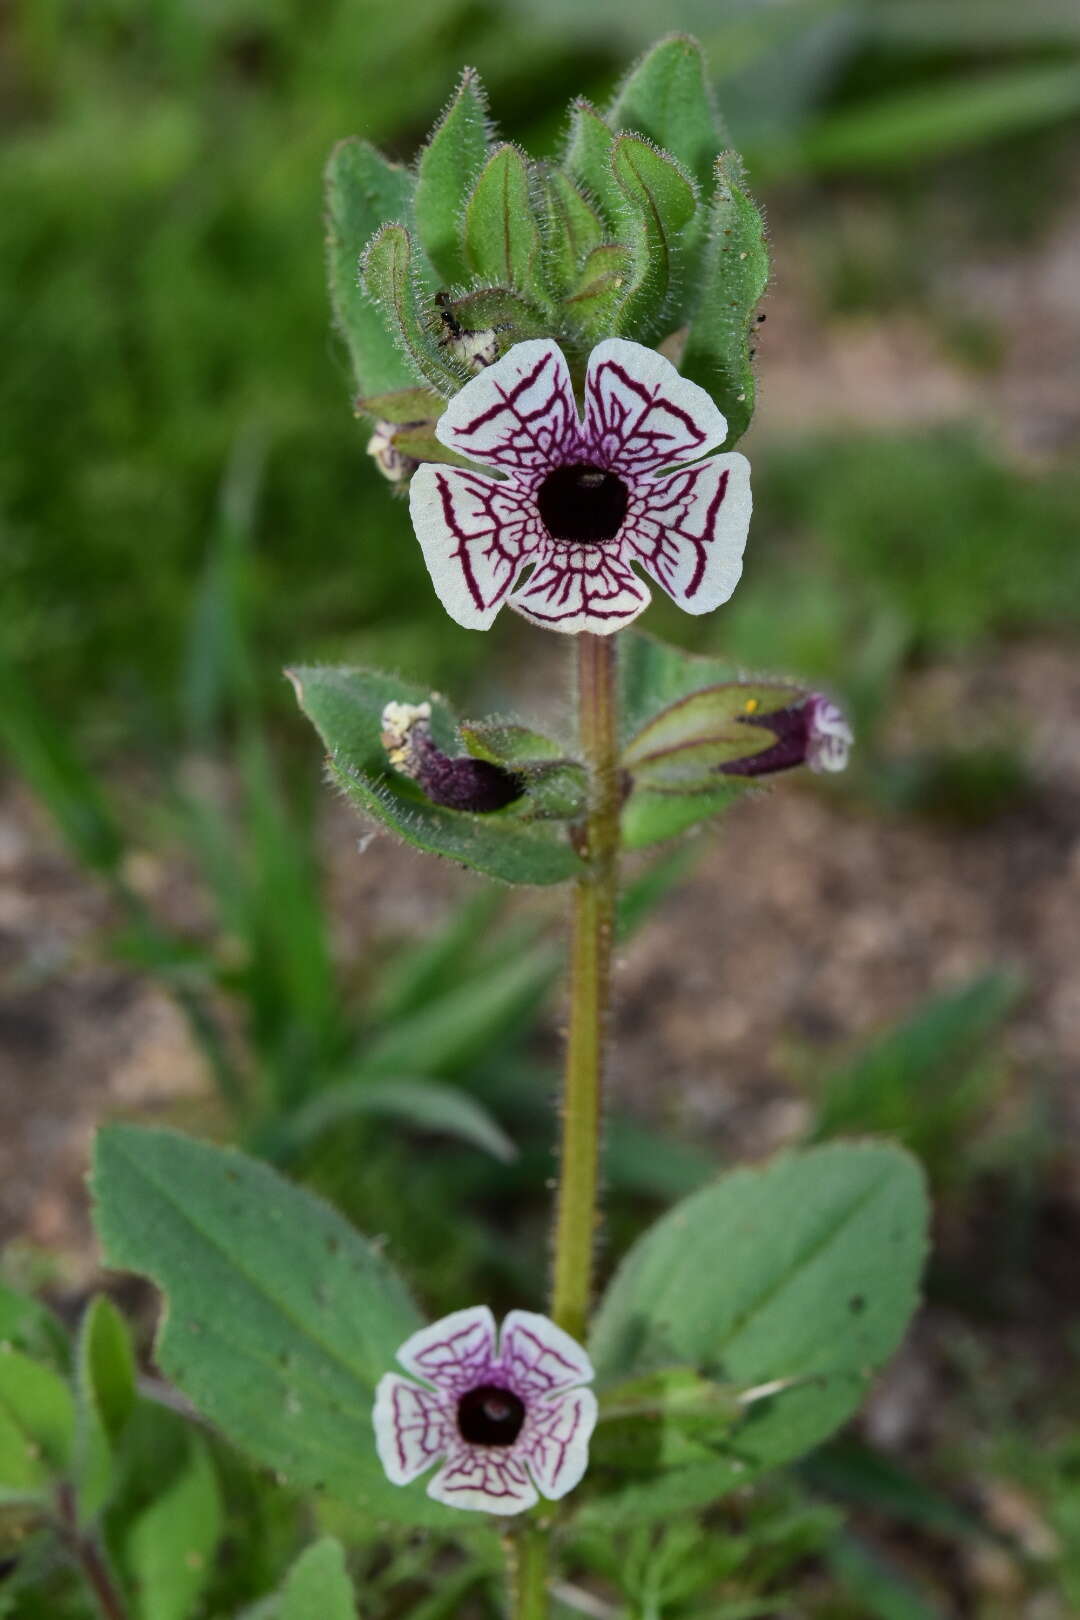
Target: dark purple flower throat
x,y
582,503
490,1416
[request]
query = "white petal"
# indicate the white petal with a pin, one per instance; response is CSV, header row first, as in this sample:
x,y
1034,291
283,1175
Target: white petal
x,y
689,530
539,1358
517,415
557,1448
475,533
412,1429
455,1353
640,414
485,1479
578,587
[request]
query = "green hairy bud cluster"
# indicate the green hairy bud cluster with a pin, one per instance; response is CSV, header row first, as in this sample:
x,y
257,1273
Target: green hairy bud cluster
x,y
644,229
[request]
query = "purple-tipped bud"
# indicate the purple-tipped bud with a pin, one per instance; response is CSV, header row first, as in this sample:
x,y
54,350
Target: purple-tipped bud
x,y
457,782
811,732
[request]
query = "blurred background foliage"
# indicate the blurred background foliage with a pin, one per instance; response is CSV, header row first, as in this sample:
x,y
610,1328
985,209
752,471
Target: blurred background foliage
x,y
185,506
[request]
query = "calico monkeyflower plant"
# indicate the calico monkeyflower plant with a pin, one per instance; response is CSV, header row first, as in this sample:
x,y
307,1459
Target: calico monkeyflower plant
x,y
576,503
812,731
507,1416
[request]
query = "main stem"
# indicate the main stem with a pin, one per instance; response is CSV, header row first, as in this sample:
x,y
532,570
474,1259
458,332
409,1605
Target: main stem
x,y
592,929
593,926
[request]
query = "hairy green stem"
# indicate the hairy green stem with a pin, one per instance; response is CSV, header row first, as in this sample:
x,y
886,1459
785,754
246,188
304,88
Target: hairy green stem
x,y
527,1563
590,976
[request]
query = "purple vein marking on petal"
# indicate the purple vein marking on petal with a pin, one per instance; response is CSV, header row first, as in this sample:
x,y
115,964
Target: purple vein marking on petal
x,y
461,553
649,400
710,518
508,402
547,1435
472,1469
528,1372
426,1423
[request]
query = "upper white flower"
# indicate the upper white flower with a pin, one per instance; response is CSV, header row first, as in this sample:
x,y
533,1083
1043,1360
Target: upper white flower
x,y
578,502
505,1414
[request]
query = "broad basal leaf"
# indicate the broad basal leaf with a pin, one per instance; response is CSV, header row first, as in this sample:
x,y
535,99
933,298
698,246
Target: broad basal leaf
x,y
799,1277
281,1318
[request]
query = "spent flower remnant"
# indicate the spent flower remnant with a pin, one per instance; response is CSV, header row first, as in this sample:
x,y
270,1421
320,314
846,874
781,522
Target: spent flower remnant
x,y
455,780
505,1414
578,501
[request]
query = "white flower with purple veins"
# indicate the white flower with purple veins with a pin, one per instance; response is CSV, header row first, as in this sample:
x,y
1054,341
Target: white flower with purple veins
x,y
505,1415
579,503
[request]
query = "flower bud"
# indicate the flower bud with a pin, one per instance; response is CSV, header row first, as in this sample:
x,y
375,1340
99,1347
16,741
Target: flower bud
x,y
456,781
811,732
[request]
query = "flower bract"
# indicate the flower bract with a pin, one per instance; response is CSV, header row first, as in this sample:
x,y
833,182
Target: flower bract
x,y
578,504
504,1413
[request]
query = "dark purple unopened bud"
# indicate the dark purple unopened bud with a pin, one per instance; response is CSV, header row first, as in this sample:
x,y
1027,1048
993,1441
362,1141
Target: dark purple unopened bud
x,y
811,732
457,782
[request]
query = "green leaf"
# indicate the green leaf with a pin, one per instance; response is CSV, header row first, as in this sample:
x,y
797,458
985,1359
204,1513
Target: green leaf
x,y
587,160
427,1105
37,1426
169,1549
388,277
446,172
409,405
502,237
600,288
105,1391
803,1273
345,706
29,1326
666,96
653,675
572,229
363,191
318,1586
281,1318
650,816
557,786
733,278
661,201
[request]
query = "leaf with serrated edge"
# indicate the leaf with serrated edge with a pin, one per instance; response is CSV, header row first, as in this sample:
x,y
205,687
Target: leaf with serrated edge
x,y
802,1274
281,1318
446,172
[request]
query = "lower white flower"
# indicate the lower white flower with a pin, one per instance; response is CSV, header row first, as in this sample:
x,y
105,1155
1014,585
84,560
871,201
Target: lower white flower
x,y
504,1413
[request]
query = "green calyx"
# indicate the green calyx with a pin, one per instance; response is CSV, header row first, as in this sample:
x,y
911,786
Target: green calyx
x,y
644,229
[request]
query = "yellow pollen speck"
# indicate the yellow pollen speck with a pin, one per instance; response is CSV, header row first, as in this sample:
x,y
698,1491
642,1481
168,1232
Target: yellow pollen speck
x,y
751,705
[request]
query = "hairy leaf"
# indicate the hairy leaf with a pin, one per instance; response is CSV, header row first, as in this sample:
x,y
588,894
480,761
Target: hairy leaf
x,y
446,173
363,192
